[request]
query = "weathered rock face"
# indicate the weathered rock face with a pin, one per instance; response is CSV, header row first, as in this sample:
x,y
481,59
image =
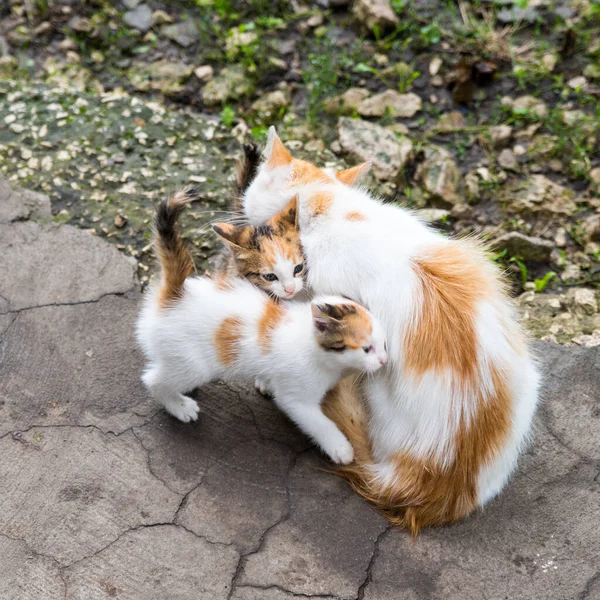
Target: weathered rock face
x,y
185,33
440,177
347,102
139,18
374,13
230,84
392,103
17,203
530,248
270,107
363,141
162,75
538,194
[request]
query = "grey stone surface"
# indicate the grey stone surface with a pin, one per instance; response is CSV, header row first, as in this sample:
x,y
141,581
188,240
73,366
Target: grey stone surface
x,y
17,203
104,496
58,265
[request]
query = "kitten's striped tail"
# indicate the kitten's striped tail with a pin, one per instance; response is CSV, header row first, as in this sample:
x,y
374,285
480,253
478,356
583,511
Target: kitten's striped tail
x,y
176,262
247,168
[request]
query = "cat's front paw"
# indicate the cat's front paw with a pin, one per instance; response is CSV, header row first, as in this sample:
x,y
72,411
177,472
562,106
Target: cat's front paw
x,y
261,387
185,410
341,452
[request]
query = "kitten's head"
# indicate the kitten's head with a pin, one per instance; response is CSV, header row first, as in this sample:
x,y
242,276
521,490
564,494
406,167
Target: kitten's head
x,y
270,256
279,177
347,329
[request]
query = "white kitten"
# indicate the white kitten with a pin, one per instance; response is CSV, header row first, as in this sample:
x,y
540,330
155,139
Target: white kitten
x,y
196,330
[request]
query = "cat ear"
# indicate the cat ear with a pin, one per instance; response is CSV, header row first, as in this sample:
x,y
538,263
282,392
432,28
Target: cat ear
x,y
353,174
276,153
330,311
231,234
320,319
290,212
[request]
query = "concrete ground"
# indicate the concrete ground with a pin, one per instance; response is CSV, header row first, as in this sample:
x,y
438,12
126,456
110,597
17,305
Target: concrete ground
x,y
104,496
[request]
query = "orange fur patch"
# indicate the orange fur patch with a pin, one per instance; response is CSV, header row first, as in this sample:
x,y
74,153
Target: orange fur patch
x,y
355,216
305,172
269,320
320,203
224,283
425,494
452,280
227,338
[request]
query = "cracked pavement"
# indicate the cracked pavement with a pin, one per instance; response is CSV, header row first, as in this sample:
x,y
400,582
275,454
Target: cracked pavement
x,y
104,496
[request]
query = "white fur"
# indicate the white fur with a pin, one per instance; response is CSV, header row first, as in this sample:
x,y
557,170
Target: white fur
x,y
179,343
371,261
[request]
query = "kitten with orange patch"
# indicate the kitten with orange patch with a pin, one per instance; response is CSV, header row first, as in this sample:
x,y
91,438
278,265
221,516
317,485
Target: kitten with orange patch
x,y
269,256
194,330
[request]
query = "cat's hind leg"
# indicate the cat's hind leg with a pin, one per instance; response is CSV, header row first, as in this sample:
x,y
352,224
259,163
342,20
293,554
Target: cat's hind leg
x,y
164,391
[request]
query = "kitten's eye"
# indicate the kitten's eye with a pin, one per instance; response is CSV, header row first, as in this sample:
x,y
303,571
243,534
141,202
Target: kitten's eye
x,y
338,348
270,276
298,268
368,349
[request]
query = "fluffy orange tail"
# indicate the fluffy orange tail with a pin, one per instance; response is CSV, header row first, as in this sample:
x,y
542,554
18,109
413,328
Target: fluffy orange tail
x,y
421,495
176,262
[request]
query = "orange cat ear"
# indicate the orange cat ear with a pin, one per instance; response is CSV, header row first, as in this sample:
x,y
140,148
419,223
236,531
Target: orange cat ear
x,y
353,174
230,233
277,155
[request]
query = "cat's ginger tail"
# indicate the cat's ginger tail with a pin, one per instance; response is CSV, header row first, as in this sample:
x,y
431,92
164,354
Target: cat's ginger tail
x,y
176,262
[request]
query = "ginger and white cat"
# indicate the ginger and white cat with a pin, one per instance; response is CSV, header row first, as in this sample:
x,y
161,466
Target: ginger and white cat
x,y
194,330
443,425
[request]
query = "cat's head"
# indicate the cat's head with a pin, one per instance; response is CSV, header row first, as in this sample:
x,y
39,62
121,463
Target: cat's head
x,y
279,177
269,256
348,330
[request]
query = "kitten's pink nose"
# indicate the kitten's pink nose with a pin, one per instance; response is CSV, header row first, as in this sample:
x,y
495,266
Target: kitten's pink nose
x,y
290,288
383,359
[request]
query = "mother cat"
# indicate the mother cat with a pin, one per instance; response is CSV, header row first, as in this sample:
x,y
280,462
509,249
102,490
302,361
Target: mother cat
x,y
443,425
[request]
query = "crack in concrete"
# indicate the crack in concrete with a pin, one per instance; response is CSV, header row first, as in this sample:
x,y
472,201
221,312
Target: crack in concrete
x,y
284,517
149,465
95,301
369,573
286,591
72,426
585,593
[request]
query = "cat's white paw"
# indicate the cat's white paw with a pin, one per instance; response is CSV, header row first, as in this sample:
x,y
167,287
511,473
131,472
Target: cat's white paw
x,y
341,452
261,387
185,410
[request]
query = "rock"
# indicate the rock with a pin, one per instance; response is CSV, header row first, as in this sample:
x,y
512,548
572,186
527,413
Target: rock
x,y
204,72
595,176
161,17
571,273
528,104
592,71
531,249
472,186
507,160
433,215
435,64
18,204
588,341
577,82
571,117
374,13
80,24
591,228
120,221
162,75
140,18
131,4
9,66
269,107
230,84
347,103
450,122
560,239
583,301
515,14
184,33
439,176
538,194
500,135
549,61
392,103
363,141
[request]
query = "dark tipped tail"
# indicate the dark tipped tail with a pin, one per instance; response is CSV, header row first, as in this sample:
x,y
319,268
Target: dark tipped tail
x,y
247,168
176,262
